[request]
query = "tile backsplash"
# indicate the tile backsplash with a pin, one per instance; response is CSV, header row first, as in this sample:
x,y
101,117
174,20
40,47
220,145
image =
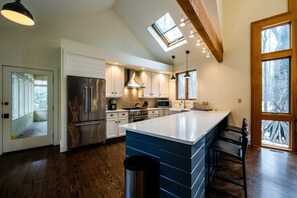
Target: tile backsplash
x,y
130,98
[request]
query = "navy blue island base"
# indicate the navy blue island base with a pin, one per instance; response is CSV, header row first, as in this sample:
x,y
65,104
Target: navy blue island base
x,y
183,167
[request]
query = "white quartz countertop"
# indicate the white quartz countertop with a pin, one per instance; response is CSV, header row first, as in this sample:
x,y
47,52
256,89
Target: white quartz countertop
x,y
116,111
186,128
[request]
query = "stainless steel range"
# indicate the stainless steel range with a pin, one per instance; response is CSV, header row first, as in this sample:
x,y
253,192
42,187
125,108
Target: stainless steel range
x,y
137,114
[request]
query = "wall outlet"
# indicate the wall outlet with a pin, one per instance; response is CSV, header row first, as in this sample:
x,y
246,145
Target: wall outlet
x,y
239,100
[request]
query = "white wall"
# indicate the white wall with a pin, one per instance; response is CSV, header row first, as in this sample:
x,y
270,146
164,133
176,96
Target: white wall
x,y
221,84
40,46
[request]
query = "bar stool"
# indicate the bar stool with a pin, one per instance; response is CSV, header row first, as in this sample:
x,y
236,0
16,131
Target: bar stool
x,y
236,151
235,128
234,134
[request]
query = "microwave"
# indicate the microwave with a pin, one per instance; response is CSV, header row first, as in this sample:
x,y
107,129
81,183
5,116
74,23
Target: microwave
x,y
163,103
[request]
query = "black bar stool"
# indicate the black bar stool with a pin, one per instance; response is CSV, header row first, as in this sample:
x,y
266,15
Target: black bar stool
x,y
234,134
234,150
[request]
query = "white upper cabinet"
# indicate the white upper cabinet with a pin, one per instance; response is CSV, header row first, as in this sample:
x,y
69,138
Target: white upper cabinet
x,y
164,86
156,85
146,80
114,76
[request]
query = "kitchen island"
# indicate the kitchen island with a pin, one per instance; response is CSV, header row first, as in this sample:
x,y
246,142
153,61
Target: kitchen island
x,y
179,143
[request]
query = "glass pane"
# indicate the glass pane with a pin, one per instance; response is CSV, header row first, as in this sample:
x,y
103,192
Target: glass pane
x,y
22,97
27,122
165,23
275,86
181,86
40,97
173,35
275,133
192,85
15,96
276,38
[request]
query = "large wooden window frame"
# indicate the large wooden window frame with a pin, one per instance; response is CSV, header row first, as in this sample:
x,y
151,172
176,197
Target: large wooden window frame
x,y
256,76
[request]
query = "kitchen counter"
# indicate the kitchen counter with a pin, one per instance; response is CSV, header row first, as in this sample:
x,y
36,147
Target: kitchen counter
x,y
186,128
179,143
116,111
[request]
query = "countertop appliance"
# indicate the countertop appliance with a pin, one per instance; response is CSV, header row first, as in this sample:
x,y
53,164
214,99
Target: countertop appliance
x,y
86,117
163,104
137,114
112,104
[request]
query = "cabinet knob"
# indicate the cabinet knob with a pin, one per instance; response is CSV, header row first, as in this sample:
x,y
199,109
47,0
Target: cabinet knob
x,y
111,115
119,121
116,92
112,92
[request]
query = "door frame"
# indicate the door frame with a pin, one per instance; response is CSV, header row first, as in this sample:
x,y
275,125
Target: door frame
x,y
56,122
256,76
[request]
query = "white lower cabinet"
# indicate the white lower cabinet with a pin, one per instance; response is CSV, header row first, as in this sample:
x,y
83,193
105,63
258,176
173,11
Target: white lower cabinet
x,y
163,112
153,114
113,120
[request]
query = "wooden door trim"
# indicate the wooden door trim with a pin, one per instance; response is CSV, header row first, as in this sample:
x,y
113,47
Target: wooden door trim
x,y
256,75
275,55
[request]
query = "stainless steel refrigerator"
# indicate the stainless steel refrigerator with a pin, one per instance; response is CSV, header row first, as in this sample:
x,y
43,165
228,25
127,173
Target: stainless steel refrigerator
x,y
86,117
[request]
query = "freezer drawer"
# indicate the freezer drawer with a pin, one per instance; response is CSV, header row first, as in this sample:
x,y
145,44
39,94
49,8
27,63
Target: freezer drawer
x,y
84,133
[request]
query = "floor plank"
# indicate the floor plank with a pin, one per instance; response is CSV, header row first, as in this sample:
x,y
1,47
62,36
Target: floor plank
x,y
97,171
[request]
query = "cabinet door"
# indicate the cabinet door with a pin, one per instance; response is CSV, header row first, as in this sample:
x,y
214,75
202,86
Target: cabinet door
x,y
147,82
109,81
111,128
166,112
122,131
155,85
164,86
119,84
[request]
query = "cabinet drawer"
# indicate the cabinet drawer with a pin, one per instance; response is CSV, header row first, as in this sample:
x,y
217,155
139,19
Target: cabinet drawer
x,y
123,114
153,112
111,115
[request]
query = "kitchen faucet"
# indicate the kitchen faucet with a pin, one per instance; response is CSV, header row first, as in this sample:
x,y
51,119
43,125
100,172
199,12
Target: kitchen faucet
x,y
181,102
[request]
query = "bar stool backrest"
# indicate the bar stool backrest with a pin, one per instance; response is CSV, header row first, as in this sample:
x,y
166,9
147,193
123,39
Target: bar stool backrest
x,y
245,127
245,135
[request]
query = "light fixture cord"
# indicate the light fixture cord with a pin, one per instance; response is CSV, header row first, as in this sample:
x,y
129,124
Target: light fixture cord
x,y
187,58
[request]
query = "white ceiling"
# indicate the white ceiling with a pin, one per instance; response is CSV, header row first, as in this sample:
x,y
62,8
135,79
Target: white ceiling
x,y
54,9
140,14
137,14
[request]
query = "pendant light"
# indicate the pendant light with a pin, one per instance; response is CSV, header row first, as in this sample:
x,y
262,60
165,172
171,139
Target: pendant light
x,y
172,76
17,13
187,75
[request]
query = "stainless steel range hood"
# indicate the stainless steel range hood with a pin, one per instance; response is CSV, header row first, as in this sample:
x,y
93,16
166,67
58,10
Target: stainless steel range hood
x,y
132,83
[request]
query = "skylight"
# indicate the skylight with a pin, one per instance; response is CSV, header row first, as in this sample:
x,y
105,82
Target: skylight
x,y
167,33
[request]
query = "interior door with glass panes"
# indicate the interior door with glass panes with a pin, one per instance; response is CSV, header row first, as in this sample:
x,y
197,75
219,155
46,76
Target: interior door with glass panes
x,y
27,108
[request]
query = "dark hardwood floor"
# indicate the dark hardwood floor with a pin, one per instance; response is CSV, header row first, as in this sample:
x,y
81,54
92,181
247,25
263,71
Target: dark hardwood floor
x,y
97,171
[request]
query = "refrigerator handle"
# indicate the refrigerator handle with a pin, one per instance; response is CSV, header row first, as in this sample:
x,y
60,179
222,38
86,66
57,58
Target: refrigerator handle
x,y
90,99
86,100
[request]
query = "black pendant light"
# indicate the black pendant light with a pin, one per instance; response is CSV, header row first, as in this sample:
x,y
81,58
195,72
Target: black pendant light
x,y
17,13
187,75
172,76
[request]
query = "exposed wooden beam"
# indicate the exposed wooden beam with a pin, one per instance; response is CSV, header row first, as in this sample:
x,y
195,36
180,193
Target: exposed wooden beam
x,y
197,14
292,4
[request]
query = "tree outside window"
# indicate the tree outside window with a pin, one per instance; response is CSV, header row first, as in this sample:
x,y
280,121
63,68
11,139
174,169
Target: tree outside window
x,y
40,95
186,87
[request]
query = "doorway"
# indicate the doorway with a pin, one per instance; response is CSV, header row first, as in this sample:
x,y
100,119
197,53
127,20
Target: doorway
x,y
27,108
274,82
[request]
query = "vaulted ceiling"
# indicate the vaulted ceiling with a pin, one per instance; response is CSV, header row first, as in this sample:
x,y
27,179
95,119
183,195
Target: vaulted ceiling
x,y
137,14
